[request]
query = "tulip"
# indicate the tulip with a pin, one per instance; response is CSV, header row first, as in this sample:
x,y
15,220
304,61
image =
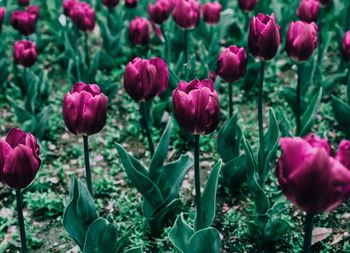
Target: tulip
x,y
308,10
34,9
346,46
24,52
23,2
186,13
83,16
159,12
23,21
130,3
2,16
139,31
211,12
68,6
316,142
232,63
343,153
247,5
110,3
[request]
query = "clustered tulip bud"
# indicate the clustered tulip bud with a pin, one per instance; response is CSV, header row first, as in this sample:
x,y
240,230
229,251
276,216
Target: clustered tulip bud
x,y
247,5
145,79
110,3
83,16
23,2
232,63
84,109
24,52
25,21
19,159
34,9
139,31
346,45
264,36
301,40
68,5
308,10
316,142
211,12
130,3
343,153
186,13
311,178
2,16
196,106
159,12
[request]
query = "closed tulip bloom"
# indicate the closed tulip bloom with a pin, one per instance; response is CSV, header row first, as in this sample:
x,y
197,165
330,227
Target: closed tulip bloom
x,y
301,40
196,106
2,16
34,9
145,79
310,178
19,159
211,12
264,36
130,3
316,142
308,10
343,153
23,2
186,13
24,52
83,16
346,45
110,3
84,109
23,21
232,63
159,12
68,5
247,5
139,31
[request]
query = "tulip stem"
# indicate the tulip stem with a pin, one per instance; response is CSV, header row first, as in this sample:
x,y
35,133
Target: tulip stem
x,y
298,98
186,53
86,46
197,178
87,164
143,109
166,44
348,87
21,221
230,102
260,118
308,232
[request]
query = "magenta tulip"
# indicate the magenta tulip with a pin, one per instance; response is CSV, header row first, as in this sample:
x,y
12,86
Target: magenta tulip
x,y
139,31
19,159
24,52
34,9
2,16
84,109
130,3
23,2
68,6
247,5
264,36
211,12
346,46
316,142
308,10
196,106
310,178
83,16
343,153
110,3
159,12
232,63
145,79
24,21
186,13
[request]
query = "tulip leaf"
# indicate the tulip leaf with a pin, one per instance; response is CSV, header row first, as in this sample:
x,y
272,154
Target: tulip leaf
x,y
134,250
234,173
80,212
308,117
180,234
341,113
290,96
206,240
275,228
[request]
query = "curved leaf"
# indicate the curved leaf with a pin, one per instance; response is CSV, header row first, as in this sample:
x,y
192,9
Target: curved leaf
x,y
341,113
234,172
308,117
206,240
180,234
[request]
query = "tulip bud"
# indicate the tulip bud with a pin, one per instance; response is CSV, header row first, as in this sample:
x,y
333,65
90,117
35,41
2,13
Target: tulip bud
x,y
301,40
346,45
19,159
308,10
232,63
25,53
84,109
23,2
24,21
326,2
317,142
2,16
83,16
34,9
139,31
68,6
211,12
130,3
196,106
247,5
145,79
310,178
186,13
343,153
110,3
159,11
264,36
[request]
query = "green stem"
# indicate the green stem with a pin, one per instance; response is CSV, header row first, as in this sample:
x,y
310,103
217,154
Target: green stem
x,y
197,178
298,98
260,118
86,47
21,221
186,52
307,232
348,87
230,102
143,109
87,164
166,44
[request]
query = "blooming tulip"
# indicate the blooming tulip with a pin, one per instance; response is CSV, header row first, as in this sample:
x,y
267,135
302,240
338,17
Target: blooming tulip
x,y
23,2
25,53
24,21
211,12
159,11
139,31
186,13
196,106
145,79
308,10
316,142
346,45
130,3
19,159
247,5
84,109
68,5
2,16
110,3
83,16
264,36
343,153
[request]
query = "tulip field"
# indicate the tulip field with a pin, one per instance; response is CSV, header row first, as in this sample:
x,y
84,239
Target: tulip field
x,y
160,126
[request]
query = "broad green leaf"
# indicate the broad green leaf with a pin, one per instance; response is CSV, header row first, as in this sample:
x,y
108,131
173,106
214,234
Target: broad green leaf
x,y
206,240
290,96
341,113
234,173
180,234
308,117
275,229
